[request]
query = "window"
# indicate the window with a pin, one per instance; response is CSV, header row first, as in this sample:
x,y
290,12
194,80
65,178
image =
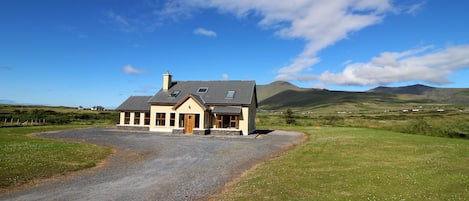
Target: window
x,y
233,121
181,120
230,94
137,118
127,118
197,119
147,118
202,90
160,119
227,121
175,93
172,119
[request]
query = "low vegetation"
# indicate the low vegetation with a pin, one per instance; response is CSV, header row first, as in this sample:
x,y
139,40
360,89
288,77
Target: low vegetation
x,y
20,115
452,122
361,164
24,159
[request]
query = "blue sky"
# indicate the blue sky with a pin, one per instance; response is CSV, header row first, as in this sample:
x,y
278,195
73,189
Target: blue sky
x,y
87,53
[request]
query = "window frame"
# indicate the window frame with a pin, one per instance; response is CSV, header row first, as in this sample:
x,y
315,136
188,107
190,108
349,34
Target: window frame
x,y
202,90
227,121
147,118
127,118
175,93
172,119
230,94
160,119
137,118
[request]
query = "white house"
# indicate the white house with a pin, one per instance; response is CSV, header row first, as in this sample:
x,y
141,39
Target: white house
x,y
194,107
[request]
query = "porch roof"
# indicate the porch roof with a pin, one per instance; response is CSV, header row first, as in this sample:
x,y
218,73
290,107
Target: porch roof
x,y
227,110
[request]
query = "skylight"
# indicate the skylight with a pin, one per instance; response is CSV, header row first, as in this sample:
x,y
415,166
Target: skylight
x,y
202,90
230,94
175,93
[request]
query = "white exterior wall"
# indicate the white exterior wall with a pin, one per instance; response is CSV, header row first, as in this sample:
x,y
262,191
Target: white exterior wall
x,y
244,120
160,109
192,107
188,107
252,114
122,118
132,116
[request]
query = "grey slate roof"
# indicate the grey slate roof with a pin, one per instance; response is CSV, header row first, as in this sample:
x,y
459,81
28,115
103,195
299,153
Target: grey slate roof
x,y
135,103
229,110
245,91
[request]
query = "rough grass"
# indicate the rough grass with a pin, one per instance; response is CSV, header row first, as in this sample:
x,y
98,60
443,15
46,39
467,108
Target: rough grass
x,y
24,159
361,164
454,124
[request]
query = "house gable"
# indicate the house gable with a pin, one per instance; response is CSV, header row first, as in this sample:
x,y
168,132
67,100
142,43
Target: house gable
x,y
191,103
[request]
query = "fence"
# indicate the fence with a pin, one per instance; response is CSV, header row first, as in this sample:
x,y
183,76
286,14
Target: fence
x,y
19,122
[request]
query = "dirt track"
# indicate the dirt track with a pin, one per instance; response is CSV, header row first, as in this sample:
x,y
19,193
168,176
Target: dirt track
x,y
149,166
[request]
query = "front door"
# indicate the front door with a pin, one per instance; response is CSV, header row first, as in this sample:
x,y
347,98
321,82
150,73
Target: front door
x,y
189,120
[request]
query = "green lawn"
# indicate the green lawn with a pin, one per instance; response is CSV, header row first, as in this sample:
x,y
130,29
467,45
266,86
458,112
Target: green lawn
x,y
24,158
361,164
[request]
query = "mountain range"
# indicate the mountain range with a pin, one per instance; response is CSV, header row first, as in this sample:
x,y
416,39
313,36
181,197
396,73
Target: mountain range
x,y
280,95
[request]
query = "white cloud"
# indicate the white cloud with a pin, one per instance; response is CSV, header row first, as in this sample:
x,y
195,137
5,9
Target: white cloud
x,y
129,69
119,19
224,76
205,32
423,64
320,23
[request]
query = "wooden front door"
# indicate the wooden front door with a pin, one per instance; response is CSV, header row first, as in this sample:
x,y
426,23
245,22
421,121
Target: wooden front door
x,y
189,123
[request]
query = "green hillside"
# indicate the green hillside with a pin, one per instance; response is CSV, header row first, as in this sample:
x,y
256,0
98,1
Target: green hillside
x,y
282,95
274,88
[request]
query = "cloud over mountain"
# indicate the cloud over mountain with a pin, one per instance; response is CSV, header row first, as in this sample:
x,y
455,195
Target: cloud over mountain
x,y
423,64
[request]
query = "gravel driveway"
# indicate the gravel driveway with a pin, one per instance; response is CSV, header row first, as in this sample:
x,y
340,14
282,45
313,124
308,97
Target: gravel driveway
x,y
149,166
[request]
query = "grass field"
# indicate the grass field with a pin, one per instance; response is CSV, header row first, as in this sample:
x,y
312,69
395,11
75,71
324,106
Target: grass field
x,y
361,164
20,115
452,122
24,159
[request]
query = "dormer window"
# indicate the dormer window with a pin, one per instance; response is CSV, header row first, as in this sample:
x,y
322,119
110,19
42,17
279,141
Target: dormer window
x,y
230,94
175,93
202,90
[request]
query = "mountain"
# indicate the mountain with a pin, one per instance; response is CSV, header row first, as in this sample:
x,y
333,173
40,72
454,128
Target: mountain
x,y
417,89
281,95
274,88
438,95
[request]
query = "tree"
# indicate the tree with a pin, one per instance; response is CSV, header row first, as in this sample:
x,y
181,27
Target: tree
x,y
289,117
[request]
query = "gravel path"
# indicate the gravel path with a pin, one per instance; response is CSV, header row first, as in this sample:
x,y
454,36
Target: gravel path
x,y
149,166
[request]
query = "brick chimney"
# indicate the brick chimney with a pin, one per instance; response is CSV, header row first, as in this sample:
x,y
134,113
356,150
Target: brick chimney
x,y
167,81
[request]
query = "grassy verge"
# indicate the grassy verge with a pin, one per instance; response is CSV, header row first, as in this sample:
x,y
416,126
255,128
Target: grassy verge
x,y
24,158
361,164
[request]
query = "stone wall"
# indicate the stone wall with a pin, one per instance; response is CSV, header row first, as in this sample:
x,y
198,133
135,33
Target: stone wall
x,y
225,132
134,128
